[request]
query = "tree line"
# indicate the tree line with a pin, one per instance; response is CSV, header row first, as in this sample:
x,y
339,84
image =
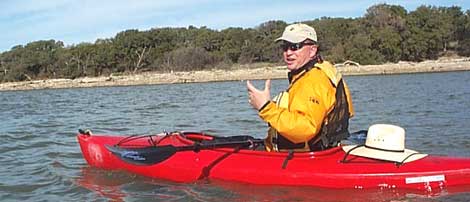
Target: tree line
x,y
386,33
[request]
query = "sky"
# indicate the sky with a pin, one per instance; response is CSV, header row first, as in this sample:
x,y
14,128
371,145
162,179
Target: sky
x,y
76,21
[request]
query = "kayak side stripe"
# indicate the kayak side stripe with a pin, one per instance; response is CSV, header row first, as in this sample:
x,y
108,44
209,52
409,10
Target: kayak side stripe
x,y
431,178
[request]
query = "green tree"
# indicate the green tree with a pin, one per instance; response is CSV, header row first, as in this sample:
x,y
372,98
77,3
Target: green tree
x,y
39,58
104,57
12,65
333,35
208,39
133,49
234,40
452,18
426,34
386,26
80,60
163,41
187,59
263,46
463,47
358,49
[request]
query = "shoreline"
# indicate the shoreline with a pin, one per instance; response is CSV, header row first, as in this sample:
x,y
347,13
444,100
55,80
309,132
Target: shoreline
x,y
279,72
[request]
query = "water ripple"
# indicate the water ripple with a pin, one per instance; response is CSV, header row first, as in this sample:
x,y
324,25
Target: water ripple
x,y
41,160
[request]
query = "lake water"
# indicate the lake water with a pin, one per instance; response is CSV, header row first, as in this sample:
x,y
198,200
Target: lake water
x,y
41,161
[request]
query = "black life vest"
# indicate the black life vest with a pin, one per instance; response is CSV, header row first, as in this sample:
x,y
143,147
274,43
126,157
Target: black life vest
x,y
335,127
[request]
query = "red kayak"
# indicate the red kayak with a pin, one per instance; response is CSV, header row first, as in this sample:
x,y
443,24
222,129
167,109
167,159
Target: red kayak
x,y
188,157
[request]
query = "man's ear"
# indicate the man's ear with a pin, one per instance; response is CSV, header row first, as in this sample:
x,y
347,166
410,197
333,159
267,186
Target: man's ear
x,y
313,51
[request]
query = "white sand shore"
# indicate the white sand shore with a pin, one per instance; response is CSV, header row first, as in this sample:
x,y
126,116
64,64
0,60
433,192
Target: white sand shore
x,y
149,78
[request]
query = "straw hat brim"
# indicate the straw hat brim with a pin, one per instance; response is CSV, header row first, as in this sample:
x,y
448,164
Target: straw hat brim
x,y
385,155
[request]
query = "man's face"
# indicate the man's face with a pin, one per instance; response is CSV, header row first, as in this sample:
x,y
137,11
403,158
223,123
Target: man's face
x,y
297,55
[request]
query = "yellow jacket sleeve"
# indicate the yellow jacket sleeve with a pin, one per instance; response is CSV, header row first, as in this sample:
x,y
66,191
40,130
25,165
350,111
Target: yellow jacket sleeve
x,y
311,97
350,104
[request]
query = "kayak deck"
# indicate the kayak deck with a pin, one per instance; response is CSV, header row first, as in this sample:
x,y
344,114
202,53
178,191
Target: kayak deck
x,y
320,169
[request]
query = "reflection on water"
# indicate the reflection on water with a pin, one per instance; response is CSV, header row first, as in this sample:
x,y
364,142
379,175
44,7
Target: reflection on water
x,y
41,159
120,186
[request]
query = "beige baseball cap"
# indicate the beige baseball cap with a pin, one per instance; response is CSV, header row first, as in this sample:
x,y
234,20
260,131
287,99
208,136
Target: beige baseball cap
x,y
296,33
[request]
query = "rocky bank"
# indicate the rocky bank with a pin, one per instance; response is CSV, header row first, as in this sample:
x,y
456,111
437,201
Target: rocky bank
x,y
279,72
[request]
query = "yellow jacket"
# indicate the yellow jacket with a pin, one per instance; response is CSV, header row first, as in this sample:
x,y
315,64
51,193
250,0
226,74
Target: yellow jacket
x,y
310,97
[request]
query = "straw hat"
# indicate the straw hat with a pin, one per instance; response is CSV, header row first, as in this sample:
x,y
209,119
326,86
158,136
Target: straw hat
x,y
385,142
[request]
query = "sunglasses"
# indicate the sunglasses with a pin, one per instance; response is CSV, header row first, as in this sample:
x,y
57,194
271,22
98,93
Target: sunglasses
x,y
294,46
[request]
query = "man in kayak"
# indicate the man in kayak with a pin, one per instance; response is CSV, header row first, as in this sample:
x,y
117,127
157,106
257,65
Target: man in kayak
x,y
313,113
